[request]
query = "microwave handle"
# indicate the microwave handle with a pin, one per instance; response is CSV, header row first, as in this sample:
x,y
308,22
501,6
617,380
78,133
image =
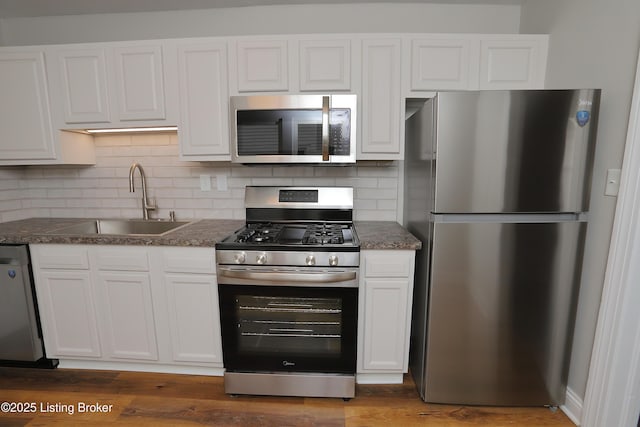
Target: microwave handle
x,y
325,128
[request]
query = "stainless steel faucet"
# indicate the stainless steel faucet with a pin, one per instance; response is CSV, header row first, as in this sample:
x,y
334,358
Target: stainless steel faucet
x,y
146,207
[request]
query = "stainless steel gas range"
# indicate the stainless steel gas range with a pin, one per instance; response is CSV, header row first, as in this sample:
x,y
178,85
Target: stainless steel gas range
x,y
288,284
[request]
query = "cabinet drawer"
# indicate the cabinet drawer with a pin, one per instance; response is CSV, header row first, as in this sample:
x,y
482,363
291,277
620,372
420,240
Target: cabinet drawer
x,y
122,259
387,263
58,257
189,260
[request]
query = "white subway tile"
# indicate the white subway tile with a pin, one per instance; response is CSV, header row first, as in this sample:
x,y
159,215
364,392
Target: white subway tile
x,y
173,184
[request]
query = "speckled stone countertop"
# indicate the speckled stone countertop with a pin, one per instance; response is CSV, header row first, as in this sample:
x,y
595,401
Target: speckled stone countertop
x,y
385,235
202,233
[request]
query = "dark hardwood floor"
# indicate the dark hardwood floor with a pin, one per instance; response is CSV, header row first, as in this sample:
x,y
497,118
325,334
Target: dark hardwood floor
x,y
64,397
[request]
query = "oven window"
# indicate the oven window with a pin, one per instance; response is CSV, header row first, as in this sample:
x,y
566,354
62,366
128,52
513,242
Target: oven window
x,y
288,328
289,325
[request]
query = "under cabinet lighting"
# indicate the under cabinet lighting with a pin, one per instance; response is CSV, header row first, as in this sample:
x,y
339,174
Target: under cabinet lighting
x,y
126,130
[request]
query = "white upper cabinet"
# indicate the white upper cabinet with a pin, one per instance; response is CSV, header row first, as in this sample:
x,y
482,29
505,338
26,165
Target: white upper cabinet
x,y
262,65
513,63
24,107
139,82
324,65
380,100
203,129
475,62
83,78
441,63
109,85
28,134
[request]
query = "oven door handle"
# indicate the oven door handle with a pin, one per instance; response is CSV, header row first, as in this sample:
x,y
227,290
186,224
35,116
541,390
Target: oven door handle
x,y
292,278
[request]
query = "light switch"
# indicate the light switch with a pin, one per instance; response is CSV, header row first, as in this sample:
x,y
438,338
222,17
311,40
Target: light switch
x,y
613,182
205,182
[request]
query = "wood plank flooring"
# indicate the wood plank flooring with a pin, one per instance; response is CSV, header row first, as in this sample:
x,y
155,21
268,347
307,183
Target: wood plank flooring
x,y
148,399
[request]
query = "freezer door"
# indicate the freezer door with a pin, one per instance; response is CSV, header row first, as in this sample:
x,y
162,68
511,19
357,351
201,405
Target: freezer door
x,y
500,313
515,151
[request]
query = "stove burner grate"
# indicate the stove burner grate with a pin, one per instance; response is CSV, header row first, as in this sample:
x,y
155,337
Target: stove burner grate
x,y
323,234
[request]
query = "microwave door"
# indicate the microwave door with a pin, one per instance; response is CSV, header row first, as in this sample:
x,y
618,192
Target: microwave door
x,y
293,129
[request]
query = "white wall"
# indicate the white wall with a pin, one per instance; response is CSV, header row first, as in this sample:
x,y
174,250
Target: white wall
x,y
374,17
593,43
103,190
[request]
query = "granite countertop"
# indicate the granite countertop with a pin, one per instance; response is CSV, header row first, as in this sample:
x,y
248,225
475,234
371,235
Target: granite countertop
x,y
200,233
385,235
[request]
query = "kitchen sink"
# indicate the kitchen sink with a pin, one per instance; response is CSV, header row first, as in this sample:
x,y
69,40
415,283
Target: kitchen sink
x,y
129,227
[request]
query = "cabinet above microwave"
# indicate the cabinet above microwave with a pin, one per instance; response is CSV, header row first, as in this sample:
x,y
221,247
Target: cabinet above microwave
x,y
293,129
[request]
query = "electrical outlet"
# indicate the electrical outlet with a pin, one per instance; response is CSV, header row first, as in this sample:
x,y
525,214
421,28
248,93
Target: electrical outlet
x,y
205,182
613,182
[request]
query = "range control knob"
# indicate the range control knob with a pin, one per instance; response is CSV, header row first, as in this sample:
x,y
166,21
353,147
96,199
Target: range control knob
x,y
261,258
240,258
333,260
310,260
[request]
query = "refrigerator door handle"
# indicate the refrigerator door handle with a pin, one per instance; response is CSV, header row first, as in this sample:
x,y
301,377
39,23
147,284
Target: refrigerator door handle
x,y
509,218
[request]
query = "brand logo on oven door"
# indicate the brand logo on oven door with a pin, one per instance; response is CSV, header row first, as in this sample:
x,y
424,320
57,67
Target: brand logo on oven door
x,y
287,363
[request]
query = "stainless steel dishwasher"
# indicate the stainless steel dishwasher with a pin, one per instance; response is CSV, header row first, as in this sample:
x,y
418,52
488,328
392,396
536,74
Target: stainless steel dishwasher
x,y
20,335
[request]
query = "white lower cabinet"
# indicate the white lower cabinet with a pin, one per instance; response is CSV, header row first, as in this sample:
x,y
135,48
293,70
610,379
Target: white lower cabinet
x,y
191,292
384,318
193,302
126,315
67,313
129,308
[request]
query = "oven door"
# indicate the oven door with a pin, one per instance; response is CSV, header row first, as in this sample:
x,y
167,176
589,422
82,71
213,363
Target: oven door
x,y
283,325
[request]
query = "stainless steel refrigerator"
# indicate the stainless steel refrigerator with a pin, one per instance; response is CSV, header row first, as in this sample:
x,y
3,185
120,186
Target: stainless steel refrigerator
x,y
497,187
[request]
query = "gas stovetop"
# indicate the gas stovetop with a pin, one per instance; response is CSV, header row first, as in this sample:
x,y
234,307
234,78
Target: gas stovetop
x,y
294,226
290,235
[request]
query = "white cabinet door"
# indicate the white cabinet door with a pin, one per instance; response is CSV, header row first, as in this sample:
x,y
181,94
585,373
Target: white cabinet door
x,y
440,63
381,100
83,75
194,318
25,119
324,65
110,85
140,82
204,113
384,318
513,63
384,329
126,314
262,65
66,306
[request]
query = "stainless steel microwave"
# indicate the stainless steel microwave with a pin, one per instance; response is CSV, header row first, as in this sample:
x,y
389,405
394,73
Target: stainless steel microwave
x,y
293,129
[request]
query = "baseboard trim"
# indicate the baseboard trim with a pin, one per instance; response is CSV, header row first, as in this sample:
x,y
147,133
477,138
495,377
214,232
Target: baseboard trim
x,y
572,406
140,367
362,378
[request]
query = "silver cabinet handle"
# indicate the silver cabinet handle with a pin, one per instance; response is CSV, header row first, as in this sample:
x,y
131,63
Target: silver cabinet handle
x,y
325,128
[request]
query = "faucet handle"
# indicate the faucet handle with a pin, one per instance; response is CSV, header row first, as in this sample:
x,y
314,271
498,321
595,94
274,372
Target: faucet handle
x,y
150,205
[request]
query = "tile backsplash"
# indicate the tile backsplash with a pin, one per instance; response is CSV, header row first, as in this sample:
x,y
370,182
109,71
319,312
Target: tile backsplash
x,y
174,185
